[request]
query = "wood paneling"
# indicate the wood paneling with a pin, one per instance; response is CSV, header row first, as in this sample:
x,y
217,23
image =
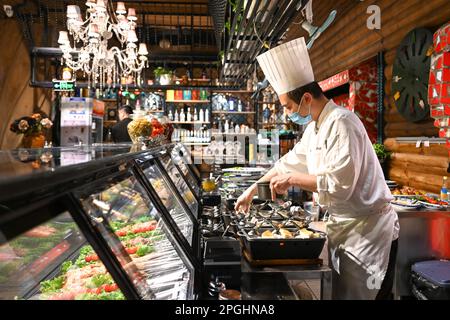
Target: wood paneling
x,y
348,42
17,98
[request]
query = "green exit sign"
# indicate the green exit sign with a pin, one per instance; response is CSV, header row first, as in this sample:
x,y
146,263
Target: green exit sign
x,y
61,85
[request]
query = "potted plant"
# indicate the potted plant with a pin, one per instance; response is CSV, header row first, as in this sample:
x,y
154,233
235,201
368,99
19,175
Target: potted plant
x,y
383,155
33,129
163,76
381,152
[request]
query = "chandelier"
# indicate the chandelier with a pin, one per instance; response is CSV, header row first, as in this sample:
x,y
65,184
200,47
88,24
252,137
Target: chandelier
x,y
90,53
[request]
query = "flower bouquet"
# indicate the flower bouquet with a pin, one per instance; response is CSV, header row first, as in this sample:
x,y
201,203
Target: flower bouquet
x,y
33,129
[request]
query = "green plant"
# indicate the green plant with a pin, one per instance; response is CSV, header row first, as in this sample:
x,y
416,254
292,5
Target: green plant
x,y
160,71
381,151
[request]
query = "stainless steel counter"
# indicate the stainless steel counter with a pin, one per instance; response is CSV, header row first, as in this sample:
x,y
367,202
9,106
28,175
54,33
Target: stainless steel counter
x,y
424,235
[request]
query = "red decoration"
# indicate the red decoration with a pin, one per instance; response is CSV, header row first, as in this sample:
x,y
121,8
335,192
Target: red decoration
x,y
439,82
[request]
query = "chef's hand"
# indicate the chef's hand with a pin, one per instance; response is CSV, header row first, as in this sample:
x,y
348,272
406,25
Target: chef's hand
x,y
280,185
244,201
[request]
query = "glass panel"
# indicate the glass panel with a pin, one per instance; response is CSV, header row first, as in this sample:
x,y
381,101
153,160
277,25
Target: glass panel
x,y
181,163
170,201
180,183
53,261
125,216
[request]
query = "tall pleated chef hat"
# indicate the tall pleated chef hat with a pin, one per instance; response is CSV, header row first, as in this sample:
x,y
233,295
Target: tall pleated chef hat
x,y
287,67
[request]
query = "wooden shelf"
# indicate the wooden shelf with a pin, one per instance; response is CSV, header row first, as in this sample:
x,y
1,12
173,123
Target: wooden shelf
x,y
196,143
187,101
233,112
232,134
189,122
231,91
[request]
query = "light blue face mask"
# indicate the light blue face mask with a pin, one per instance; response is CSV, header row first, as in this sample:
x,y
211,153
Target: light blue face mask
x,y
295,117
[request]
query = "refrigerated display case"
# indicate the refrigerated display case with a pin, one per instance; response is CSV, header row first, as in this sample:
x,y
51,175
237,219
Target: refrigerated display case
x,y
112,226
181,158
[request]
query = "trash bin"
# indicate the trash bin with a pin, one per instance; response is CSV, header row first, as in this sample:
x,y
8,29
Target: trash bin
x,y
431,280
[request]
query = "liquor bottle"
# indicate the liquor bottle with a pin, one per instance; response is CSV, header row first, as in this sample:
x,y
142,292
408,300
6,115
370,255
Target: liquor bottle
x,y
227,126
239,106
177,117
188,115
444,196
195,114
170,115
182,116
207,115
202,115
231,104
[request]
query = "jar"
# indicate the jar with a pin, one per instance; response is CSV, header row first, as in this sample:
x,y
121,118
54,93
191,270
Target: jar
x,y
139,127
195,94
178,94
187,95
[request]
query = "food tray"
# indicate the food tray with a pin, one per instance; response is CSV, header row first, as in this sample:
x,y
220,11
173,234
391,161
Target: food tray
x,y
268,248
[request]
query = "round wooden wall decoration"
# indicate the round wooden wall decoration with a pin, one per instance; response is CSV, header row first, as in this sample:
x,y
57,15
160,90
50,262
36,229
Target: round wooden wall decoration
x,y
410,75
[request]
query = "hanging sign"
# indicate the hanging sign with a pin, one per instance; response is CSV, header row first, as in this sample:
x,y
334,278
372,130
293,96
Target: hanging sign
x,y
335,81
63,85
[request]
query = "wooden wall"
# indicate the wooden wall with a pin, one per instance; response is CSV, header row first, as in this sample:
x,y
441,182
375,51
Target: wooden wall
x,y
348,42
17,98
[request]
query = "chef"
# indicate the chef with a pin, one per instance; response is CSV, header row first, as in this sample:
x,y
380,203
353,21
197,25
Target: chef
x,y
335,160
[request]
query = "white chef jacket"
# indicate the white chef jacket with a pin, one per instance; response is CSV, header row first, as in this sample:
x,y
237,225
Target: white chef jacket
x,y
351,186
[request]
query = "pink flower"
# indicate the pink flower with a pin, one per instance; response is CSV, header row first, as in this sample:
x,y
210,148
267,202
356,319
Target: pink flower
x,y
46,123
23,125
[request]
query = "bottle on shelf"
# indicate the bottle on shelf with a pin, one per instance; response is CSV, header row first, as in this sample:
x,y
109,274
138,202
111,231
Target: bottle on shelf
x,y
188,115
226,126
170,115
207,115
444,196
231,105
195,114
201,115
182,116
176,117
236,128
239,106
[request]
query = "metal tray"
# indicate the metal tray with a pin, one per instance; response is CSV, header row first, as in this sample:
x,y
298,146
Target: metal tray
x,y
267,248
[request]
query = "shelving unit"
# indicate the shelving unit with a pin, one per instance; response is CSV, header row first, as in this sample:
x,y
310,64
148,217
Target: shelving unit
x,y
189,122
233,112
188,101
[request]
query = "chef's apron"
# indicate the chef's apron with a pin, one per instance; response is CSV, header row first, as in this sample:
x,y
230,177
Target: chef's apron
x,y
358,245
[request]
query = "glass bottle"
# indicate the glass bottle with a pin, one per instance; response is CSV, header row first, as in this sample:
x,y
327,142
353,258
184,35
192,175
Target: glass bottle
x,y
444,196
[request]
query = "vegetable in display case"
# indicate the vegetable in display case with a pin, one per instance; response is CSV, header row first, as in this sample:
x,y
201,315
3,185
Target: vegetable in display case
x,y
94,230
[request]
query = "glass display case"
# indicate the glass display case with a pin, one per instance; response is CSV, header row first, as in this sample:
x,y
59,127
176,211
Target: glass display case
x,y
113,227
182,160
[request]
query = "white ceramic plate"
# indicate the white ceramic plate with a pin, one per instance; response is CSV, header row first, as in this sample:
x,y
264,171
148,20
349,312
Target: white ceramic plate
x,y
431,205
406,203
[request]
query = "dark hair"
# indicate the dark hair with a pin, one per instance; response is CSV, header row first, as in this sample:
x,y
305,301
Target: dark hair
x,y
126,108
313,88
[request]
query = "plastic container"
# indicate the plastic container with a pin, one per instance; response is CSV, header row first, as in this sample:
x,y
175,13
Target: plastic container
x,y
431,279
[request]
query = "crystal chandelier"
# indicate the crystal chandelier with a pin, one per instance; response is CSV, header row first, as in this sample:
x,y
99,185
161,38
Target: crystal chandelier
x,y
100,63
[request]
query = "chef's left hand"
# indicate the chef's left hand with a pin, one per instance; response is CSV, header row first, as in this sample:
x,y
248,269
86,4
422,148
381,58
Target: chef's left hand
x,y
280,185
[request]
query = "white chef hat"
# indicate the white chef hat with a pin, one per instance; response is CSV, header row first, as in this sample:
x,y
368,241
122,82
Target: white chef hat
x,y
287,67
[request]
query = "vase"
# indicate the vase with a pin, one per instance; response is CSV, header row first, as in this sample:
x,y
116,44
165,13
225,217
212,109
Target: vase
x,y
33,141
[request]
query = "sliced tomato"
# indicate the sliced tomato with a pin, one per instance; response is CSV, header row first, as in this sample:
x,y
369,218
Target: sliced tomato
x,y
91,257
121,233
131,250
110,287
